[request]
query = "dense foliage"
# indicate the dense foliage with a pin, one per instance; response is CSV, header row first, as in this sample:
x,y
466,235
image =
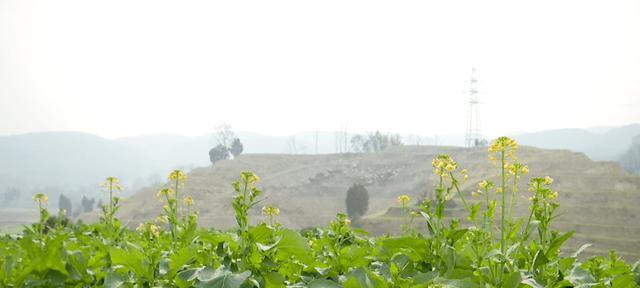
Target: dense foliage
x,y
357,201
490,248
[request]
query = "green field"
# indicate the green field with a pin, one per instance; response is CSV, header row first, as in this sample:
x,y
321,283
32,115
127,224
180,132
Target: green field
x,y
480,242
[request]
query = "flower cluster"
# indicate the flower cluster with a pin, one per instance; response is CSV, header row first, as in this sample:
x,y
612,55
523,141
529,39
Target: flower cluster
x,y
150,228
188,201
41,199
504,145
177,175
539,186
250,177
403,199
111,184
517,169
165,193
443,165
483,187
270,211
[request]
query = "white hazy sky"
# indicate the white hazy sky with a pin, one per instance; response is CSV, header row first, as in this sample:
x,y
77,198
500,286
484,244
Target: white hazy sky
x,y
120,68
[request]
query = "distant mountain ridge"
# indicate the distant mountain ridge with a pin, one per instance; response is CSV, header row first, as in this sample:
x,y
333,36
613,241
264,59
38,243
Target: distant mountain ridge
x,y
606,145
71,159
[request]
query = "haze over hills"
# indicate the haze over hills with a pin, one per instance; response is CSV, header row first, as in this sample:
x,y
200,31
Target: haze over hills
x,y
311,189
74,163
599,144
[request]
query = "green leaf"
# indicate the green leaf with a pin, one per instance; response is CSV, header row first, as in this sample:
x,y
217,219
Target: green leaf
x,y
625,281
555,245
513,280
261,233
180,258
580,250
323,283
363,278
133,259
223,278
273,280
455,283
293,244
113,280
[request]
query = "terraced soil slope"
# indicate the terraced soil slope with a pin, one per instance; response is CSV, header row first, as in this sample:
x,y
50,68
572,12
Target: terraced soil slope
x,y
598,199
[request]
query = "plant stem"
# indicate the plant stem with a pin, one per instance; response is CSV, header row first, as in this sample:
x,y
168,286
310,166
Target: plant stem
x,y
503,243
110,201
455,185
513,193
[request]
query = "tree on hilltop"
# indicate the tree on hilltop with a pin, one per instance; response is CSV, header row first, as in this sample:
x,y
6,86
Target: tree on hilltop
x,y
357,201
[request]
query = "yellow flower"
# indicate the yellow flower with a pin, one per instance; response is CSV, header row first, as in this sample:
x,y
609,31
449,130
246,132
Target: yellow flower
x,y
499,190
154,230
443,165
270,211
111,184
403,199
553,195
450,168
548,180
503,144
476,193
40,198
483,184
249,177
177,175
347,221
140,227
165,192
188,201
517,169
162,219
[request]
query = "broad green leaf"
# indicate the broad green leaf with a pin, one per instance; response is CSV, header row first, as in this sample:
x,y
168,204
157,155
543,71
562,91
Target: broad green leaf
x,y
180,258
113,280
293,244
363,278
273,280
323,283
513,280
557,243
222,278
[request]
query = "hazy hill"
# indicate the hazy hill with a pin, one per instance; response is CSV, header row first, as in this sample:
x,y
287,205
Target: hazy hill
x,y
599,199
63,161
598,144
65,158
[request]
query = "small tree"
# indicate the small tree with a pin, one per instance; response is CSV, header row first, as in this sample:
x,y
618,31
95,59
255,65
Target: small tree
x,y
357,201
224,135
236,147
218,153
87,205
374,142
630,160
64,203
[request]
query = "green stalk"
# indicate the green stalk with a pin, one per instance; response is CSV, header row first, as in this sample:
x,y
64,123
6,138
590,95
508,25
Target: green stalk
x,y
513,193
455,185
525,233
110,201
177,198
503,243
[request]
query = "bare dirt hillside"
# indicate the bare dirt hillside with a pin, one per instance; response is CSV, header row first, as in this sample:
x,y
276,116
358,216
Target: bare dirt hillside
x,y
598,199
